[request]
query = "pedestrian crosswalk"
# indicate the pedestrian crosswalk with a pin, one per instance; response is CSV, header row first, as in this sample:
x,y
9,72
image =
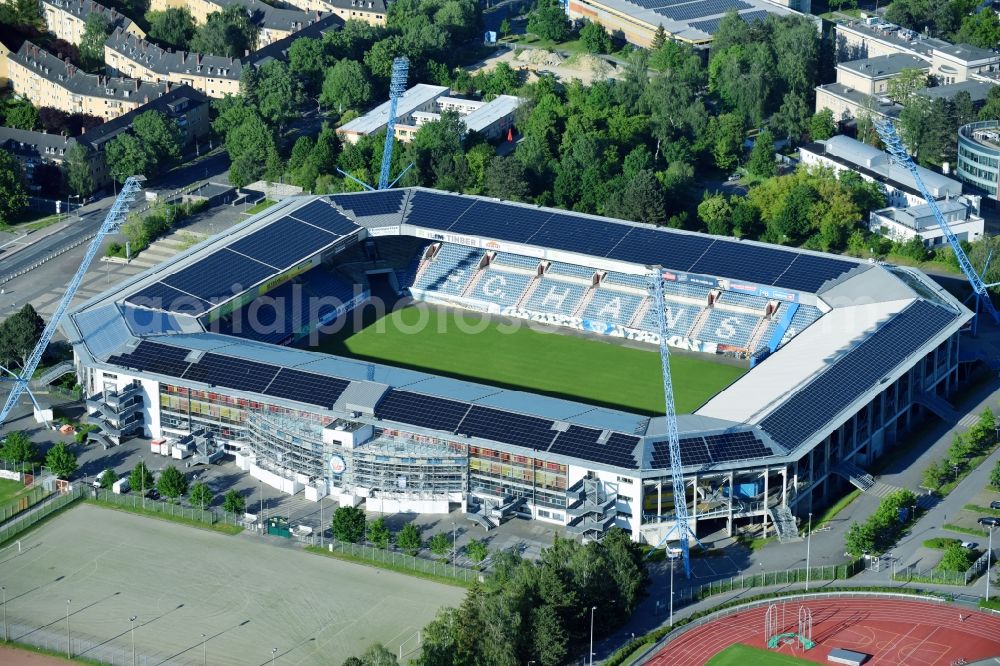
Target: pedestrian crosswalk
x,y
882,489
968,420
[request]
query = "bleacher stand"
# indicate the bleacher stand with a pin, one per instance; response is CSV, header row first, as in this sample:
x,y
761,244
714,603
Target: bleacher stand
x,y
450,270
686,290
612,306
624,279
680,318
728,328
804,316
501,287
556,296
571,270
756,303
516,261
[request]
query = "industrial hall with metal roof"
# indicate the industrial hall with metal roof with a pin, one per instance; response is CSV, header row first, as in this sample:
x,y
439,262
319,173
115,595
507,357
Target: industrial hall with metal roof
x,y
844,357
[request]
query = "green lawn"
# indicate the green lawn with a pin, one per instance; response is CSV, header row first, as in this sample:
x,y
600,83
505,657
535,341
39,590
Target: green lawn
x,y
9,490
259,206
743,655
458,344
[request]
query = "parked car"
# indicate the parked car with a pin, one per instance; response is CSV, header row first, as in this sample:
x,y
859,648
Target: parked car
x,y
989,520
995,504
970,545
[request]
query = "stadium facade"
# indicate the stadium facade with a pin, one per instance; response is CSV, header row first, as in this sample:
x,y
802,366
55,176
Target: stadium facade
x,y
845,356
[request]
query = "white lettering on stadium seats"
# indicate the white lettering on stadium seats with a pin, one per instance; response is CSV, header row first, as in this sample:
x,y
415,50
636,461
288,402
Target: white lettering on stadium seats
x,y
726,328
488,283
613,308
672,319
554,298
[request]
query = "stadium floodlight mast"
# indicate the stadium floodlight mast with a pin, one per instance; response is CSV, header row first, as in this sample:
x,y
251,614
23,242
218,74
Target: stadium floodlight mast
x,y
681,527
114,219
980,289
397,88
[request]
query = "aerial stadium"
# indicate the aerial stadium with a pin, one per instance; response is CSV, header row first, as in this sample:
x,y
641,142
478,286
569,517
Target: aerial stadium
x,y
793,370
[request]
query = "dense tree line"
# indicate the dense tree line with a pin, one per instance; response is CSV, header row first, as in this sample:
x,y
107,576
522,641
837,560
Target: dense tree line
x,y
958,21
18,335
151,145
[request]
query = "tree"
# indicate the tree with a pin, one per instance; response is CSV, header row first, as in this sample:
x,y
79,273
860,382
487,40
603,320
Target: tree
x,y
226,33
901,87
348,524
233,502
549,21
409,539
761,162
860,539
252,149
13,198
140,479
551,644
172,483
960,449
659,38
505,178
161,137
18,448
378,655
174,26
476,550
821,125
716,211
95,32
504,28
440,544
980,29
61,461
643,200
595,38
18,335
991,108
793,117
22,115
306,60
107,479
346,86
955,559
935,474
201,495
378,533
728,131
127,156
995,476
79,176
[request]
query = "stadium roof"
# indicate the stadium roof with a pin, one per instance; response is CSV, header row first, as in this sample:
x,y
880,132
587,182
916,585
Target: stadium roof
x,y
879,320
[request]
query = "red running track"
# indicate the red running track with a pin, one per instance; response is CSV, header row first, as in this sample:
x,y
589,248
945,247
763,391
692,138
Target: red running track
x,y
893,632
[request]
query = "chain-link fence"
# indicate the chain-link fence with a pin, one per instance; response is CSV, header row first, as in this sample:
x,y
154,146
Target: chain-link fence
x,y
401,561
934,575
765,578
139,503
31,497
40,511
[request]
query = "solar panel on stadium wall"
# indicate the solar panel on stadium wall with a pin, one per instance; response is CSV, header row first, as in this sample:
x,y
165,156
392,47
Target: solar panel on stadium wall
x,y
283,243
861,369
162,297
693,452
314,211
306,387
155,358
219,275
583,443
736,446
693,10
669,249
436,211
808,273
579,234
230,372
335,222
508,427
743,262
505,222
421,410
382,202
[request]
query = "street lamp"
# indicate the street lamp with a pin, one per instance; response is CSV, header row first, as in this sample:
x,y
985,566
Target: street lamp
x,y
808,545
592,609
131,630
273,652
4,590
989,558
204,651
69,639
454,551
672,563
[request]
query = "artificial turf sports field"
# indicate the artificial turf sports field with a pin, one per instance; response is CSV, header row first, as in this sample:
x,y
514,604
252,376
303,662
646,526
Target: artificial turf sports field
x,y
744,655
467,346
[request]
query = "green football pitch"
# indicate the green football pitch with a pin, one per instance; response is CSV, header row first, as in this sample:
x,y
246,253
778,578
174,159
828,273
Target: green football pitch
x,y
744,655
513,355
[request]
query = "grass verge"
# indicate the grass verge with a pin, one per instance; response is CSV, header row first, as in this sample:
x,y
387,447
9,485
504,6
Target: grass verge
x,y
975,508
739,655
27,647
257,207
836,508
222,528
941,543
965,530
992,604
388,566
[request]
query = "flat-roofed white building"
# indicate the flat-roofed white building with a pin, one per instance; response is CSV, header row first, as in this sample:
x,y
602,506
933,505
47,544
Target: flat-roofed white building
x,y
902,224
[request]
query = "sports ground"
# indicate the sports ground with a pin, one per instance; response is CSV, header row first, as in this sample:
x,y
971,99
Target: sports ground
x,y
244,595
517,355
894,632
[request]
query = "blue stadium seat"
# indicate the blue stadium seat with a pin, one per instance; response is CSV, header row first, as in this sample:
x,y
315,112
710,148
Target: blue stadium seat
x,y
728,328
517,261
687,290
635,281
614,307
758,303
501,287
555,296
572,270
680,317
450,270
804,316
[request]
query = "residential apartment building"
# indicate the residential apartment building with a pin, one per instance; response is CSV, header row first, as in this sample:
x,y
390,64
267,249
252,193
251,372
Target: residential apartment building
x,y
66,19
273,23
871,76
33,149
424,103
372,12
45,80
131,56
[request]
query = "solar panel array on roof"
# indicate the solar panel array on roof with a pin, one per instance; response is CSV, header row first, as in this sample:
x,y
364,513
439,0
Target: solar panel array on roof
x,y
693,452
711,26
382,202
218,276
583,443
161,297
500,426
693,10
736,446
234,373
652,4
284,243
421,410
673,250
306,387
810,408
154,357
